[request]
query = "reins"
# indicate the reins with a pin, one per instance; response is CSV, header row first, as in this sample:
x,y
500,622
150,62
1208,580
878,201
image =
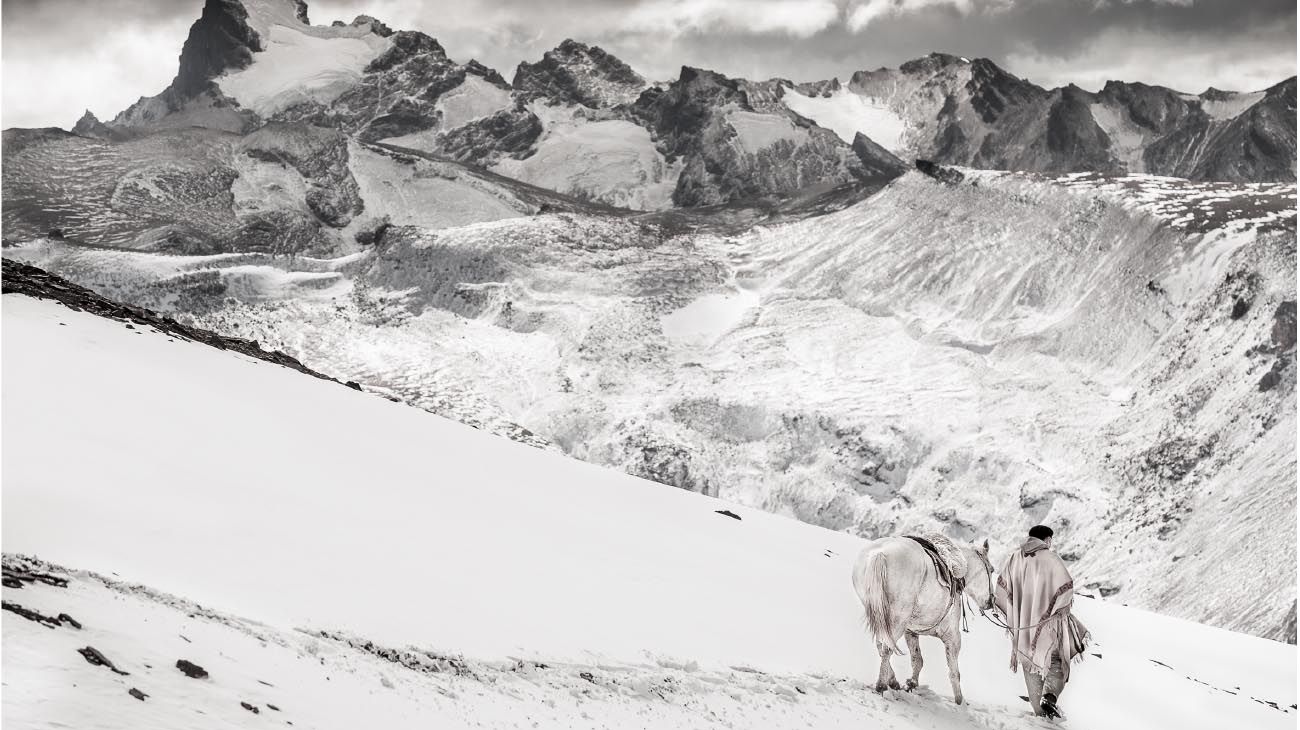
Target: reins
x,y
993,620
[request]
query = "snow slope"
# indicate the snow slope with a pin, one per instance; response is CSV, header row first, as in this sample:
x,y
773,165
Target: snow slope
x,y
1090,352
399,528
846,113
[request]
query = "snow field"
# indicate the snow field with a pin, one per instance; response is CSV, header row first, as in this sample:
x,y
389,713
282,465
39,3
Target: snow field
x,y
401,528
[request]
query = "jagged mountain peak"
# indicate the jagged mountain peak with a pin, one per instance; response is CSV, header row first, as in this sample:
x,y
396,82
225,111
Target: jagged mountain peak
x,y
578,73
376,26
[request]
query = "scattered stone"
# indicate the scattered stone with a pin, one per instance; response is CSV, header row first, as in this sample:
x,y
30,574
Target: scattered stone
x,y
191,670
97,658
727,513
66,619
588,676
1239,308
251,708
273,707
137,694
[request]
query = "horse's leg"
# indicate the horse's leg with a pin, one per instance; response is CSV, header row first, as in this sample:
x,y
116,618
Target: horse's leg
x,y
952,647
886,679
914,649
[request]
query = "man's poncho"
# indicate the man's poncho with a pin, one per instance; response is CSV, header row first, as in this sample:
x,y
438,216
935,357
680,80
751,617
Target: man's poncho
x,y
1035,593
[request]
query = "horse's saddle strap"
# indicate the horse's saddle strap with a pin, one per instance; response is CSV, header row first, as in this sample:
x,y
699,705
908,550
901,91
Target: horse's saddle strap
x,y
940,567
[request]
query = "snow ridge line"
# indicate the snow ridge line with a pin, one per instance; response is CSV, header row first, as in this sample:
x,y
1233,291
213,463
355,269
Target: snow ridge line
x,y
38,283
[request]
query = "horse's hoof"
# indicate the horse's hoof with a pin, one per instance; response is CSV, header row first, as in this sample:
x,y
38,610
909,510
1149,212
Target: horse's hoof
x,y
894,685
881,687
911,685
957,699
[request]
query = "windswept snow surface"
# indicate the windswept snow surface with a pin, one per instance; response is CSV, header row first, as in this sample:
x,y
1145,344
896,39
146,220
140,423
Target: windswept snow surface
x,y
327,509
846,113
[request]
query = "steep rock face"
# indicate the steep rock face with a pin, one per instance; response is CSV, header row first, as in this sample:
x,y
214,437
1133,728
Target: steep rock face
x,y
576,73
398,91
220,40
732,149
1259,144
971,112
90,126
877,161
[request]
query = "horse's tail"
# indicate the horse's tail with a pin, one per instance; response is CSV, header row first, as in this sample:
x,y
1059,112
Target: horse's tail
x,y
879,602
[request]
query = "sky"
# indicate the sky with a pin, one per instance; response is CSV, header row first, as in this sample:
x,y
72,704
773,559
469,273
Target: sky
x,y
62,57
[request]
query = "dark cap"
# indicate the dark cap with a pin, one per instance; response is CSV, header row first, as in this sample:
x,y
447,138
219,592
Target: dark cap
x,y
1042,532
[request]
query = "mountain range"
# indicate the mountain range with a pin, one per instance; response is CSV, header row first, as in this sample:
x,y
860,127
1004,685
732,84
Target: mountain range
x,y
581,122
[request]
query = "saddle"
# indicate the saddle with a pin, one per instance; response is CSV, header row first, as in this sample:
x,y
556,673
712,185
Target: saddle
x,y
947,573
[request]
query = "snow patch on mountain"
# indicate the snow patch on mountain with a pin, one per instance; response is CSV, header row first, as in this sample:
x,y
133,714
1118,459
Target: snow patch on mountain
x,y
606,160
1222,108
846,113
474,99
296,67
1128,140
756,132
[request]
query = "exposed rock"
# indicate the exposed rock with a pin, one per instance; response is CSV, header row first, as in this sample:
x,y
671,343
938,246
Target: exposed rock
x,y
137,694
946,175
190,669
251,708
575,73
30,615
95,657
19,570
510,132
90,126
695,119
876,160
376,26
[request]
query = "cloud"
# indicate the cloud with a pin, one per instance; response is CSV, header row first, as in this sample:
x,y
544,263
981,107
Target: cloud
x,y
1184,63
797,18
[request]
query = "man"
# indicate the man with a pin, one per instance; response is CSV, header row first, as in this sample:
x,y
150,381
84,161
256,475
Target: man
x,y
1034,595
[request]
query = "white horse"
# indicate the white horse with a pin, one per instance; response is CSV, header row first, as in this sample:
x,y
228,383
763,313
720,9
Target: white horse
x,y
898,585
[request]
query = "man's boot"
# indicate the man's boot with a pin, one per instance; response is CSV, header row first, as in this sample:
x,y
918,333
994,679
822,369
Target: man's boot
x,y
1049,705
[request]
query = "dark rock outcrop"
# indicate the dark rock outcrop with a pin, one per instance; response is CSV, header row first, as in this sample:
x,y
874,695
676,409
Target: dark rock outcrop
x,y
90,126
576,73
877,161
96,657
190,669
692,120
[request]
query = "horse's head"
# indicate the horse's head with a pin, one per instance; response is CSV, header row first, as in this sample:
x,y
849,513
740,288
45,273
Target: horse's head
x,y
980,587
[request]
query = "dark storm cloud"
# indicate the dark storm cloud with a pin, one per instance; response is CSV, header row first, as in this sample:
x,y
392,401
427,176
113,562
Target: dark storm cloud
x,y
63,55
